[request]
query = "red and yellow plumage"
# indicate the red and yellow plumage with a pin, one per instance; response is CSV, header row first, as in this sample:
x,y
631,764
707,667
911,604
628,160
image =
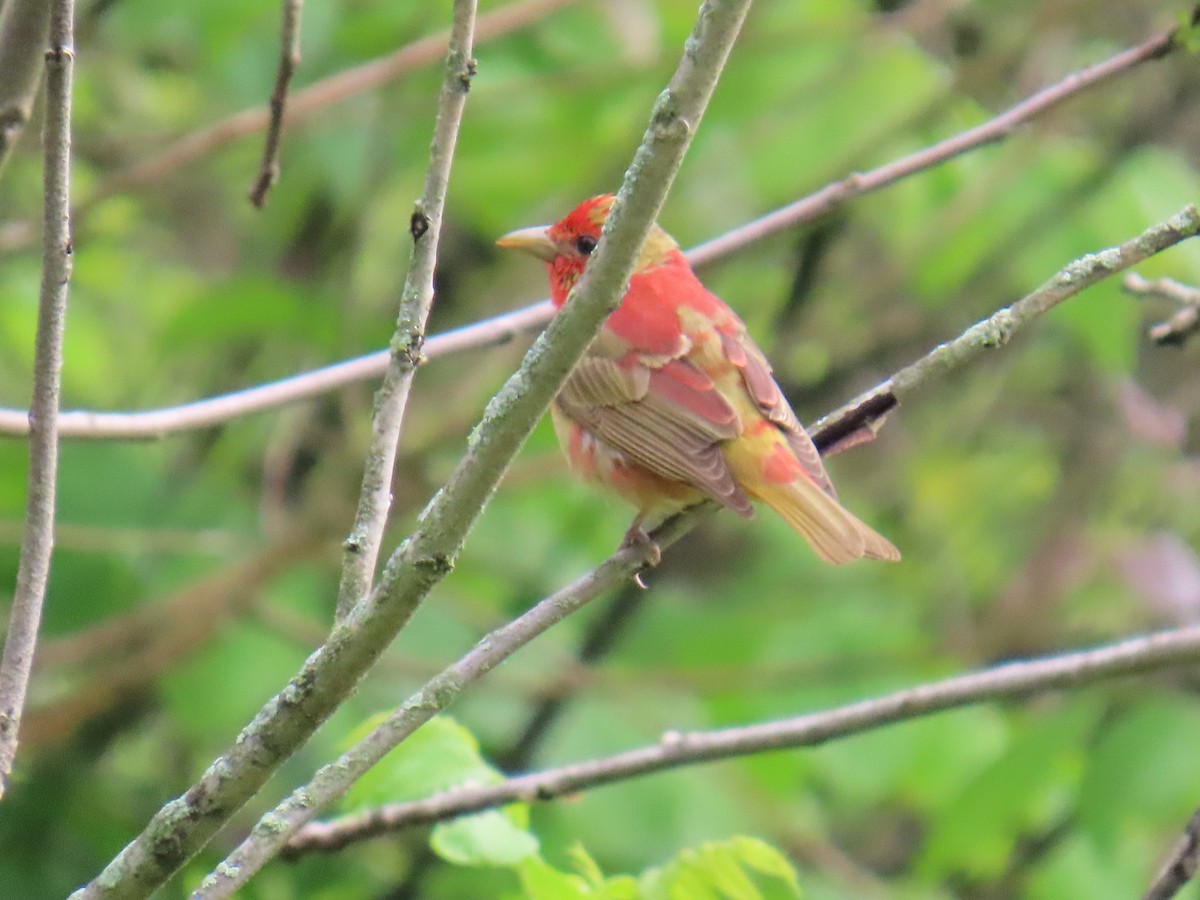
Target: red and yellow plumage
x,y
674,403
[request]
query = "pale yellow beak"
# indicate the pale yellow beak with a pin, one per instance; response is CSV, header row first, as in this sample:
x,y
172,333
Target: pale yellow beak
x,y
534,241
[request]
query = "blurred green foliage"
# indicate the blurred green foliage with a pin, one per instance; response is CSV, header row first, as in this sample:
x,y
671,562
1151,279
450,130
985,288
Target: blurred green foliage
x,y
1031,497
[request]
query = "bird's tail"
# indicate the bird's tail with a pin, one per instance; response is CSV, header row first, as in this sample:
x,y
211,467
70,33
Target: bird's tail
x,y
834,532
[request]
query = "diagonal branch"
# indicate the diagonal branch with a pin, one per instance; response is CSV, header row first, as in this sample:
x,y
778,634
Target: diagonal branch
x,y
1182,865
506,327
185,824
289,58
998,329
1013,681
24,26
33,571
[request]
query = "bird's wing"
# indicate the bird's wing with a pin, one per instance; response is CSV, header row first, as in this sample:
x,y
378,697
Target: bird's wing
x,y
664,415
741,350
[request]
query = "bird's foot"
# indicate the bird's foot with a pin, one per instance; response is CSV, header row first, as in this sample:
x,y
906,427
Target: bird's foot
x,y
636,537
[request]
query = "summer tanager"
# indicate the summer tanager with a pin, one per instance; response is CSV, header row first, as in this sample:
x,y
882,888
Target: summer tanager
x,y
674,403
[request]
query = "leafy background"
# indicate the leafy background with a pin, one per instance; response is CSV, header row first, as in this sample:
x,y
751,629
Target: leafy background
x,y
1046,498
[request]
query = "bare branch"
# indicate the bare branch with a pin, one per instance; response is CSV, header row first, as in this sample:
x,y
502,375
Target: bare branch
x,y
998,329
38,544
837,193
1013,681
289,59
501,329
321,94
159,423
185,824
1181,867
24,26
1184,323
416,299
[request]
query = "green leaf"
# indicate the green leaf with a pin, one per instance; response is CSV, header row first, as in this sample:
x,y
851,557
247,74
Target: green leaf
x,y
489,838
439,755
719,870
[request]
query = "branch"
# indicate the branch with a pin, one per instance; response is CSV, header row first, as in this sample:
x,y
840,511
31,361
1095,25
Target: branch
x,y
416,299
317,96
1007,682
1181,867
24,28
333,780
1186,321
504,328
33,571
185,824
159,423
289,58
996,330
837,193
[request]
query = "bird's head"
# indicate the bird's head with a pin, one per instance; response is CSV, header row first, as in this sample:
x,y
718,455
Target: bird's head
x,y
566,245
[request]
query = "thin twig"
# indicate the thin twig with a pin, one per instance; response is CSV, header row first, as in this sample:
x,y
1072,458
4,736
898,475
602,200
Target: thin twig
x,y
38,544
158,423
24,27
998,329
319,95
1008,682
416,299
185,824
289,59
837,193
1184,323
1182,865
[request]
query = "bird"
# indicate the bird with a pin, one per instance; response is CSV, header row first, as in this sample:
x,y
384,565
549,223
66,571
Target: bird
x,y
673,403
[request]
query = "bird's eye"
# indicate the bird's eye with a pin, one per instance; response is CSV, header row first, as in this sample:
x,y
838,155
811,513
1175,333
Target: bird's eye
x,y
585,244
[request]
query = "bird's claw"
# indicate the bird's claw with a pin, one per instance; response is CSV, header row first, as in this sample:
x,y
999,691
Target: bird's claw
x,y
637,538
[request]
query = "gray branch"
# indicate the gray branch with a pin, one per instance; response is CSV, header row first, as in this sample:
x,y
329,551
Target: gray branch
x,y
24,30
185,824
37,544
1013,681
361,548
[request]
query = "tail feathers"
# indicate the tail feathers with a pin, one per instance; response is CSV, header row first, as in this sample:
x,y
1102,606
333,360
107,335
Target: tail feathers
x,y
834,532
